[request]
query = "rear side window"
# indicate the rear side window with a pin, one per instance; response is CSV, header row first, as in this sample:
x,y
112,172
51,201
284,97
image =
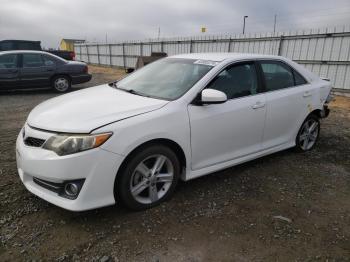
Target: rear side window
x,y
32,60
48,61
236,81
277,75
299,80
8,61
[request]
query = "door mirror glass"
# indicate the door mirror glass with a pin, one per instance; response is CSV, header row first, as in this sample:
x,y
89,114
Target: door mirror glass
x,y
212,96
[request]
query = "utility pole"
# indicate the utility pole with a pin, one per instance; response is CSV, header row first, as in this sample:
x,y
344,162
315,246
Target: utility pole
x,y
274,24
244,18
158,33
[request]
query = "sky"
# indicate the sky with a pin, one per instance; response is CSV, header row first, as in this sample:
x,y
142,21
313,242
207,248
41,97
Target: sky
x,y
118,20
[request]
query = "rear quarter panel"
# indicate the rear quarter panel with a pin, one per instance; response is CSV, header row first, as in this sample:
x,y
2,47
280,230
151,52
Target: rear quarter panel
x,y
71,69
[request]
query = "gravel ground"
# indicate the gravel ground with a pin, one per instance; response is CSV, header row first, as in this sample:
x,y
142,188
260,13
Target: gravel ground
x,y
283,207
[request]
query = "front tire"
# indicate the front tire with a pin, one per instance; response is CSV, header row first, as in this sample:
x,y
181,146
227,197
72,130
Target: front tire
x,y
148,178
61,84
308,134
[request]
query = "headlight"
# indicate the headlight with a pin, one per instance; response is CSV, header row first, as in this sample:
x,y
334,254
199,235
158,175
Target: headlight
x,y
65,144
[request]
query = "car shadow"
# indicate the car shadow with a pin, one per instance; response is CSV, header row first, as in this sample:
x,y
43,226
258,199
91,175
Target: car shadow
x,y
34,91
26,91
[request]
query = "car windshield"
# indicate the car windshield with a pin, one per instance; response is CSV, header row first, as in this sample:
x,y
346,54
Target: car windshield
x,y
168,78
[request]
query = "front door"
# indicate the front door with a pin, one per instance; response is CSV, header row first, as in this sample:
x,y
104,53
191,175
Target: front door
x,y
223,132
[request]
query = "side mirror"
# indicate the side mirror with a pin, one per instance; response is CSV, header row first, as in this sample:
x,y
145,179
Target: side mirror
x,y
212,96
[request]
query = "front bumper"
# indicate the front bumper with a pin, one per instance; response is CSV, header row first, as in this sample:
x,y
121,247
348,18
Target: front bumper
x,y
97,167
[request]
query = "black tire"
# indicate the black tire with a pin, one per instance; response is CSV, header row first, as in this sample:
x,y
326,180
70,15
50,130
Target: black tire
x,y
126,176
299,141
61,84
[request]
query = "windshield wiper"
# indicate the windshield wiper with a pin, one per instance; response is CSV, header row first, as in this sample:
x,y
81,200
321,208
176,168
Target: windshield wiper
x,y
134,92
131,91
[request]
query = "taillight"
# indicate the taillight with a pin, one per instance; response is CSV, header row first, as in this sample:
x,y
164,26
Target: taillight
x,y
86,69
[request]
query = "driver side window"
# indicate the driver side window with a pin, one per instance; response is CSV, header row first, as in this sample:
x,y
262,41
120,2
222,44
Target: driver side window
x,y
236,81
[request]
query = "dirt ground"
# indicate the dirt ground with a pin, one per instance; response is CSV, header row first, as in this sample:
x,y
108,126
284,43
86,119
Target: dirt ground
x,y
226,216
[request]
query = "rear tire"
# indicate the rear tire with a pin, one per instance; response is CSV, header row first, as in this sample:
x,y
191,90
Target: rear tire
x,y
308,134
61,84
148,178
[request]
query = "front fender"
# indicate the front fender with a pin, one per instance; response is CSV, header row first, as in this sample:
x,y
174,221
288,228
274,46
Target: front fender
x,y
130,133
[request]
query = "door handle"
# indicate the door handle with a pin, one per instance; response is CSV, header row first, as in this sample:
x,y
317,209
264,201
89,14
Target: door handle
x,y
13,70
49,69
258,105
307,94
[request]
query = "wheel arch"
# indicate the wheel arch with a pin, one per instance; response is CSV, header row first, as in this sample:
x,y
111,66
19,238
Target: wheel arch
x,y
60,74
158,141
316,112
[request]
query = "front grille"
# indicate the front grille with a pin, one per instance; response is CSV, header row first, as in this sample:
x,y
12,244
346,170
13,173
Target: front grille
x,y
34,142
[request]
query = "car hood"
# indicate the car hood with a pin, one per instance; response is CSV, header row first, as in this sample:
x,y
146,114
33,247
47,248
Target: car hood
x,y
85,110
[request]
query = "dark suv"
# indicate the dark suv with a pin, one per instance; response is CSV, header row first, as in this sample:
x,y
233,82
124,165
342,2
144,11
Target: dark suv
x,y
31,69
9,45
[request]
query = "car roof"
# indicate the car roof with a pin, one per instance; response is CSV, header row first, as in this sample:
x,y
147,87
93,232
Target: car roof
x,y
221,57
218,57
22,52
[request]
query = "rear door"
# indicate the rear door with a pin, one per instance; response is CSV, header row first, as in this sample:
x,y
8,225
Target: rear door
x,y
9,71
34,71
288,98
223,132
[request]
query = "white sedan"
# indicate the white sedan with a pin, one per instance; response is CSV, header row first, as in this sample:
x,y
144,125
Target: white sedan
x,y
181,117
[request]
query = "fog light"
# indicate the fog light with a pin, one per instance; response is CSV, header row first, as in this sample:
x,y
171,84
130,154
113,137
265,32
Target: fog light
x,y
71,189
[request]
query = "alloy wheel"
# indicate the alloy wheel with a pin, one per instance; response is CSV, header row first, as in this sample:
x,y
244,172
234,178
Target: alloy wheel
x,y
152,179
308,134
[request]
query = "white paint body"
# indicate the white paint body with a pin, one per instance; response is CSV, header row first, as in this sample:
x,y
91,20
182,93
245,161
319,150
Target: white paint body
x,y
212,137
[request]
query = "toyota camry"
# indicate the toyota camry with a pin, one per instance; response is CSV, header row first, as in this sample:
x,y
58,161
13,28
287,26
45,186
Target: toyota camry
x,y
180,117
